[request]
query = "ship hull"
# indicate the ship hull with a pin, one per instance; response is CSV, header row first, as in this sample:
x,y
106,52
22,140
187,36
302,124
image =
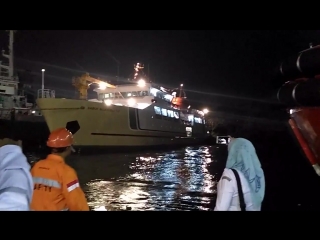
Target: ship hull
x,y
305,125
104,126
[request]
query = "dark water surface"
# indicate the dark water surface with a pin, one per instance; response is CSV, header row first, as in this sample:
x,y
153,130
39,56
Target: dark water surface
x,y
186,178
173,180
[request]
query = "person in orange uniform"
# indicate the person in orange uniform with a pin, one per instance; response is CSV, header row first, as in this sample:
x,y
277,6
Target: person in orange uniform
x,y
56,185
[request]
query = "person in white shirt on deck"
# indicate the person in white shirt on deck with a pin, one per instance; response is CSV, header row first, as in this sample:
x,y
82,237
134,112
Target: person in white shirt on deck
x,y
16,184
243,158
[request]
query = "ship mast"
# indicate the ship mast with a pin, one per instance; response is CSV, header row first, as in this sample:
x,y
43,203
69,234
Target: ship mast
x,y
7,77
139,74
9,68
137,68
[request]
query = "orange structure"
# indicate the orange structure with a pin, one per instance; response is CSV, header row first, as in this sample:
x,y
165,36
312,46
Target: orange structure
x,y
301,94
83,83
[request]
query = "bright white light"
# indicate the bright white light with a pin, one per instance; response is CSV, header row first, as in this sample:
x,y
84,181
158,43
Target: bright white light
x,y
181,85
154,91
43,70
205,111
108,102
141,83
33,112
143,105
290,111
102,208
102,86
131,102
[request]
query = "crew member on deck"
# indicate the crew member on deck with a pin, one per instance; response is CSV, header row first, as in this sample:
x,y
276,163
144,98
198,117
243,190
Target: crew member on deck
x,y
56,185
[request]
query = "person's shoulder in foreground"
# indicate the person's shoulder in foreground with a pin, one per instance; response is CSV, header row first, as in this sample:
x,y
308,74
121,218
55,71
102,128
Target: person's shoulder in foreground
x,y
16,185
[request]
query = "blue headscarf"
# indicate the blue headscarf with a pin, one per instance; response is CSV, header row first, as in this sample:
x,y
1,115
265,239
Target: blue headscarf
x,y
242,157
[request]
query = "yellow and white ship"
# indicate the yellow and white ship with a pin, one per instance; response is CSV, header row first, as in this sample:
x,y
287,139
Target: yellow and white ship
x,y
137,114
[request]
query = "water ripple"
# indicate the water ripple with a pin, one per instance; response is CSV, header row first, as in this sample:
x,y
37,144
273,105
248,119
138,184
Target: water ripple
x,y
181,180
178,180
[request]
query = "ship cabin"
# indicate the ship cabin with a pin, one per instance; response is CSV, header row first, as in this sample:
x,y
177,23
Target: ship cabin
x,y
8,94
11,97
141,95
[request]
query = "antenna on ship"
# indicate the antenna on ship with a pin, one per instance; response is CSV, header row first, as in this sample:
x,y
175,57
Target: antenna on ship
x,y
11,40
139,74
137,68
181,86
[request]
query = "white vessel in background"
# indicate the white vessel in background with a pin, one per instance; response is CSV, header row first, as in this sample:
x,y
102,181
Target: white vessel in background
x,y
136,114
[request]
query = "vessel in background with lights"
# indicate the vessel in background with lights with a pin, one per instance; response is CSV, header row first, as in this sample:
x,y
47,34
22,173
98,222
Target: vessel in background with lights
x,y
135,114
19,117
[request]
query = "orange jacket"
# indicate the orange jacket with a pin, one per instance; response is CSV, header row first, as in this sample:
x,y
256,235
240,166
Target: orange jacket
x,y
56,186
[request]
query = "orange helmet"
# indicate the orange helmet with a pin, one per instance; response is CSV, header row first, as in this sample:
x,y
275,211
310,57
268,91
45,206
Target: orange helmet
x,y
60,138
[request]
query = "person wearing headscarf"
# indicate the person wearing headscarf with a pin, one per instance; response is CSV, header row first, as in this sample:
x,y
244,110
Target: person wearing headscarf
x,y
243,158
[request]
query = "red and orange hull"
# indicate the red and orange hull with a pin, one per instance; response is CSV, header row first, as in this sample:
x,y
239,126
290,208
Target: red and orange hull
x,y
305,124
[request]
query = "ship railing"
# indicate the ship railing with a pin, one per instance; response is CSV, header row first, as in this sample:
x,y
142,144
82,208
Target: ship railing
x,y
46,93
5,113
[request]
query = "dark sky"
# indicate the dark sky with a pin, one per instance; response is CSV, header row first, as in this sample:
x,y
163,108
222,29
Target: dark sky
x,y
226,62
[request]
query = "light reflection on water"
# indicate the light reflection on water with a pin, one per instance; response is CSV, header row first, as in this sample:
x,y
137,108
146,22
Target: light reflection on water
x,y
165,181
178,180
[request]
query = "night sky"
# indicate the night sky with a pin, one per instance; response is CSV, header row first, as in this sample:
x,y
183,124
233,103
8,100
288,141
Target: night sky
x,y
232,63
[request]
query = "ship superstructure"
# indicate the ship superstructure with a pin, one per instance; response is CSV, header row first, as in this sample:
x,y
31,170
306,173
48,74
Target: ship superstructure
x,y
16,113
137,113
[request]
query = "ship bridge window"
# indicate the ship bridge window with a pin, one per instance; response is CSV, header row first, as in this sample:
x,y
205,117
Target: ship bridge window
x,y
156,93
176,115
143,93
170,113
190,118
164,112
108,95
135,94
157,110
198,120
125,94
